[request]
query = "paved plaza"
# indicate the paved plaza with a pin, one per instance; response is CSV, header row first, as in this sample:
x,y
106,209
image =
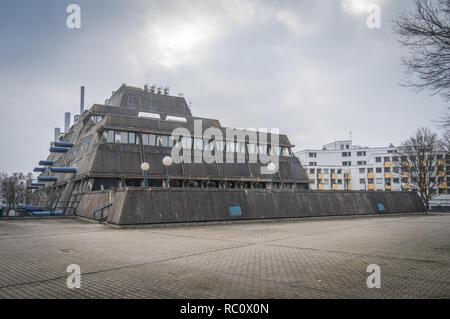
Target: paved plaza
x,y
310,258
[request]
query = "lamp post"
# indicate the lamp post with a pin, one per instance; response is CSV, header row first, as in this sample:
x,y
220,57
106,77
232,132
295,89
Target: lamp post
x,y
167,161
271,167
144,167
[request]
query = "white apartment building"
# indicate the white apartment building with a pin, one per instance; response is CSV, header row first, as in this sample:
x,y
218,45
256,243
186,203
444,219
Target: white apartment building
x,y
343,166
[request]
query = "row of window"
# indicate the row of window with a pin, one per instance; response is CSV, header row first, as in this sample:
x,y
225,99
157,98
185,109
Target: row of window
x,y
361,170
362,181
111,136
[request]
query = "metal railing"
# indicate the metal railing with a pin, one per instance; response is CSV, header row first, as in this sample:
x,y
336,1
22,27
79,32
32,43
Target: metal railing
x,y
27,211
101,209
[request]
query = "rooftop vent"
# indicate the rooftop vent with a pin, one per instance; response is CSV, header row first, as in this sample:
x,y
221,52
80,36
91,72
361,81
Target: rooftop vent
x,y
160,89
152,88
166,90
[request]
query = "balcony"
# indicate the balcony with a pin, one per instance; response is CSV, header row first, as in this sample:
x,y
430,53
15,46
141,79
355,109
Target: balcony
x,y
443,185
371,175
334,176
405,174
387,164
405,163
388,187
320,176
348,176
334,187
321,187
441,174
388,175
371,187
441,162
405,186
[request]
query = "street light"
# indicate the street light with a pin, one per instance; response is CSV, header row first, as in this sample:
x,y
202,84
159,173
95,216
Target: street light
x,y
271,168
144,167
167,161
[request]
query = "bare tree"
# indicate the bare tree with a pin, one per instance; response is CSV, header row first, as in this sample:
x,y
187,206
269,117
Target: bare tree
x,y
418,156
426,33
13,189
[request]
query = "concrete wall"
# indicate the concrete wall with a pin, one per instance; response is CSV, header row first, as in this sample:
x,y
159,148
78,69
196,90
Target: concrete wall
x,y
153,206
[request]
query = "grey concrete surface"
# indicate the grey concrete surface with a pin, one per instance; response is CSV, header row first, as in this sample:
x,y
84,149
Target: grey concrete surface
x,y
296,259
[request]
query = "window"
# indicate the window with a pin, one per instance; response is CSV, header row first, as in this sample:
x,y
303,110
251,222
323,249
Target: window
x,y
252,148
379,181
326,181
387,159
110,136
274,150
149,115
312,163
339,171
387,169
333,171
240,148
361,153
285,151
198,144
220,146
312,171
176,118
370,170
378,159
312,154
396,169
347,163
96,118
262,149
362,181
347,146
120,137
326,171
379,170
362,170
342,147
362,163
396,180
339,181
346,154
312,181
395,158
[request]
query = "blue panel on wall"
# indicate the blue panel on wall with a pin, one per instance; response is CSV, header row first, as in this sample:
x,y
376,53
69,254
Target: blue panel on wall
x,y
235,210
381,207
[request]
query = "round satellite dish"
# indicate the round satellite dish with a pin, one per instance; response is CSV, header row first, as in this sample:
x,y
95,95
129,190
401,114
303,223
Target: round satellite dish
x,y
145,166
271,167
167,161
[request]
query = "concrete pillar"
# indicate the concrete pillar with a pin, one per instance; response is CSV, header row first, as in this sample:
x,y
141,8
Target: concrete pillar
x,y
66,122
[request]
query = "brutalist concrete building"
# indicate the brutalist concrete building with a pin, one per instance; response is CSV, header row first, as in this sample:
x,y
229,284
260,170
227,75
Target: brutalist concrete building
x,y
194,168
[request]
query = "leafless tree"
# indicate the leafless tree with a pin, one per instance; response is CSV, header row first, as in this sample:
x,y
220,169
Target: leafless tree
x,y
13,189
418,156
426,33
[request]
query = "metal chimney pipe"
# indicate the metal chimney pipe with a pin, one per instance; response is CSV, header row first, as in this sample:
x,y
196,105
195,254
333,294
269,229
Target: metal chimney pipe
x,y
66,122
57,133
82,101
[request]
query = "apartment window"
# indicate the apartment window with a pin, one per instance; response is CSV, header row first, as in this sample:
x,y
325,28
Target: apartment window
x,y
333,171
326,181
379,170
396,169
395,158
370,170
339,171
370,180
110,136
379,181
312,163
319,171
342,147
262,149
339,181
163,140
312,154
362,180
387,159
396,180
378,159
362,170
347,163
312,171
387,169
149,139
346,154
362,163
361,153
347,146
326,171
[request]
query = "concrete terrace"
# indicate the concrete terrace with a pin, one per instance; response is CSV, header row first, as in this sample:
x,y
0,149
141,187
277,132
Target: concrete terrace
x,y
324,258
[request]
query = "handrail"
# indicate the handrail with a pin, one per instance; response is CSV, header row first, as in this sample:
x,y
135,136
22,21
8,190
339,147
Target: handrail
x,y
101,209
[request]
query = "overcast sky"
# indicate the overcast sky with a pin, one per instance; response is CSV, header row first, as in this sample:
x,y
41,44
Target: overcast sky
x,y
313,69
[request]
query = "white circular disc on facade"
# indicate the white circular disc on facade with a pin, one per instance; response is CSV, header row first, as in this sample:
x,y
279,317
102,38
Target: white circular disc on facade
x,y
167,161
145,166
271,167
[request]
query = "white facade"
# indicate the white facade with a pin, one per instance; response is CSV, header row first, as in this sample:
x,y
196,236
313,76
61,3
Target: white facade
x,y
343,166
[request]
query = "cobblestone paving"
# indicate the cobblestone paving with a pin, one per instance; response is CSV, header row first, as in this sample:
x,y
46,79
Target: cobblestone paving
x,y
324,258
